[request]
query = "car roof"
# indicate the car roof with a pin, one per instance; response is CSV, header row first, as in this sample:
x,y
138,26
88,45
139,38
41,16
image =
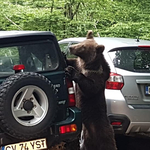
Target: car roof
x,y
111,42
4,34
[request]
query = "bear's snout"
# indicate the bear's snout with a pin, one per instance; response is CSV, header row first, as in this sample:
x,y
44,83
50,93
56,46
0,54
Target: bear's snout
x,y
71,49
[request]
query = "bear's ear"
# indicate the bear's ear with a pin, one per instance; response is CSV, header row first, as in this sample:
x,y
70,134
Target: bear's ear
x,y
100,48
89,34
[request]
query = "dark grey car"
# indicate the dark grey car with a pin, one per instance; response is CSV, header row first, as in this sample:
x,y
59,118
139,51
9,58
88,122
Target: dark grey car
x,y
37,101
128,88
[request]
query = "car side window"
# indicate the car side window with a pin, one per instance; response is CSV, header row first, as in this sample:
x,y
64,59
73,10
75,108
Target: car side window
x,y
65,48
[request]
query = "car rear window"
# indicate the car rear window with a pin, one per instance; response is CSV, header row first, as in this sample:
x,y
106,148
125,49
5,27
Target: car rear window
x,y
35,56
131,59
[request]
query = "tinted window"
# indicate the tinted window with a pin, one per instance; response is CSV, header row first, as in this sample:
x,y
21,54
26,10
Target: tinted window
x,y
131,59
40,56
65,48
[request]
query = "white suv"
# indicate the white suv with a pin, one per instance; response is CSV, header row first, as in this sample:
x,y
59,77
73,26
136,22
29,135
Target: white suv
x,y
128,88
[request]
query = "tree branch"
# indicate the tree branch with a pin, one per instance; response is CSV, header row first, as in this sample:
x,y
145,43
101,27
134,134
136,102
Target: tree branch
x,y
76,10
12,22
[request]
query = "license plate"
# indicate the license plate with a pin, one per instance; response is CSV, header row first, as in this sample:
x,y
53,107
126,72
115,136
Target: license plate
x,y
29,145
147,90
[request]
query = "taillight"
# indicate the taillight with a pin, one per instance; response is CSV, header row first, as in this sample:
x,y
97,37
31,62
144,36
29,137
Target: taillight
x,y
67,128
71,93
116,123
18,67
115,82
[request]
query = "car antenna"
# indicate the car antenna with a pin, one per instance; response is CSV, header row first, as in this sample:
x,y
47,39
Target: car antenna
x,y
138,40
96,28
98,34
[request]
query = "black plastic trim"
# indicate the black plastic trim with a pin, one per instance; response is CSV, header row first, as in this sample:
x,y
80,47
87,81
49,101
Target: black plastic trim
x,y
121,129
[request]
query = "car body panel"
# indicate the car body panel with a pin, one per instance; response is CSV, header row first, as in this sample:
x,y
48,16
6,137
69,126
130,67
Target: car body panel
x,y
65,113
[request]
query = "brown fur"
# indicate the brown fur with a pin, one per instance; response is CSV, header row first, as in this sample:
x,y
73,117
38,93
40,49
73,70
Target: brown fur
x,y
90,71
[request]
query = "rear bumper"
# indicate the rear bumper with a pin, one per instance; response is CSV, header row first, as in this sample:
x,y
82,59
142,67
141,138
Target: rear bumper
x,y
53,136
73,118
137,120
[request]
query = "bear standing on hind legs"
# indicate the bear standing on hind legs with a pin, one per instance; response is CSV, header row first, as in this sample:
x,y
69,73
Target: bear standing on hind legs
x,y
90,71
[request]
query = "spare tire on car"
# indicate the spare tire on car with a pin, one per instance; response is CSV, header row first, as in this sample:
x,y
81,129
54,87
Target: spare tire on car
x,y
28,104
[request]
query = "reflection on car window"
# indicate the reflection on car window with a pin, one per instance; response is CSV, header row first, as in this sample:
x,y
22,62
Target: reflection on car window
x,y
137,60
40,56
65,48
8,57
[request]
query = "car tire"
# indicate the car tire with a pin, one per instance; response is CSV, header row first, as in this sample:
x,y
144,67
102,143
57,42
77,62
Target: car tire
x,y
28,104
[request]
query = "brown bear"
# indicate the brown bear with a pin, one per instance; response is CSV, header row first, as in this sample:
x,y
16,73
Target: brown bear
x,y
90,72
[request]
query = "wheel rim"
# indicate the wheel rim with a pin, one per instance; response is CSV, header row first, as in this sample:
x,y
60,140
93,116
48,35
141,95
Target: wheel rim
x,y
29,105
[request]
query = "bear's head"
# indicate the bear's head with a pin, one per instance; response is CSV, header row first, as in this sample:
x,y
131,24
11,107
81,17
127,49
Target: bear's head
x,y
88,50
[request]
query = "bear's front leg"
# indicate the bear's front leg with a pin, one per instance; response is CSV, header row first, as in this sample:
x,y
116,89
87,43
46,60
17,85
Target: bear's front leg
x,y
72,73
71,62
86,84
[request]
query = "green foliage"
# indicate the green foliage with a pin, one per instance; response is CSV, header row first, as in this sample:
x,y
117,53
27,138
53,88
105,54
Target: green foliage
x,y
72,18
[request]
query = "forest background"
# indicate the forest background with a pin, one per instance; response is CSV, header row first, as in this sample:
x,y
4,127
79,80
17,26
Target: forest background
x,y
72,18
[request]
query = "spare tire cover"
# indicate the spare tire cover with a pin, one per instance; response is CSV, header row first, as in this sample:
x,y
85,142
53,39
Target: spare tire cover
x,y
28,104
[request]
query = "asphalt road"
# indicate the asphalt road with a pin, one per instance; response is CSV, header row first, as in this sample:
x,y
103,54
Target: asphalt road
x,y
133,143
123,143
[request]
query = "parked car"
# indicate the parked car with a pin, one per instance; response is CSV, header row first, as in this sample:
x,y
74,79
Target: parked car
x,y
37,102
128,88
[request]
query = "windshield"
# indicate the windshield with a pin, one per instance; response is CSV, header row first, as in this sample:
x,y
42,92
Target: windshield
x,y
37,56
131,59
